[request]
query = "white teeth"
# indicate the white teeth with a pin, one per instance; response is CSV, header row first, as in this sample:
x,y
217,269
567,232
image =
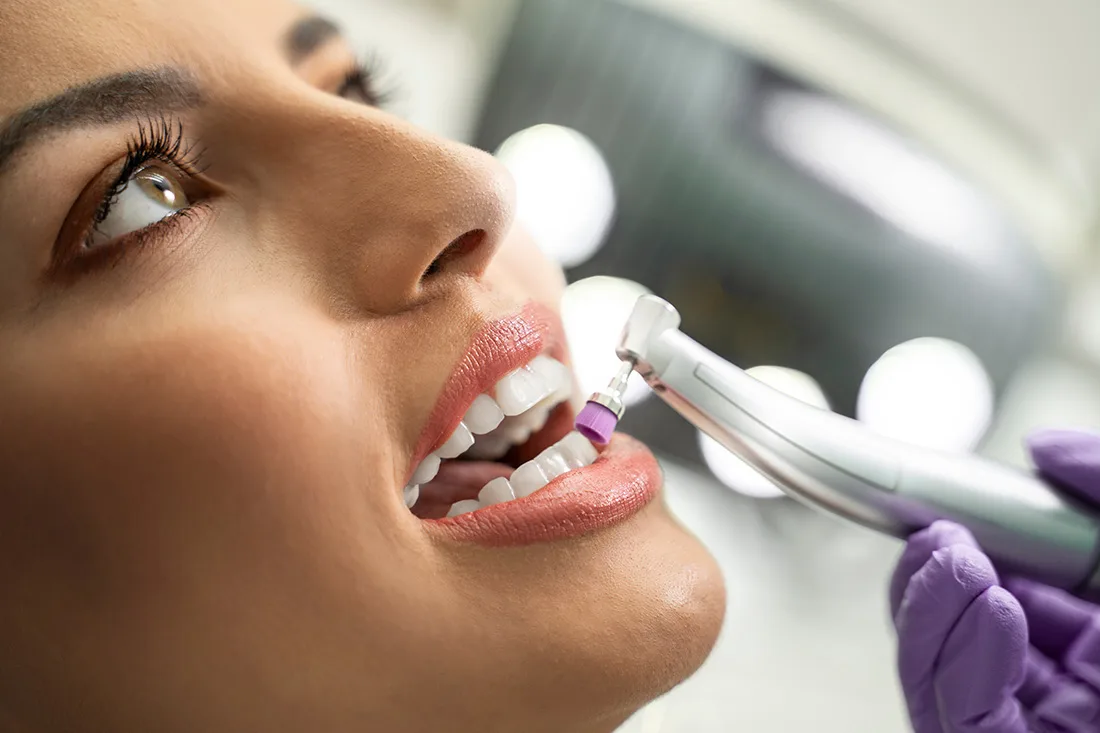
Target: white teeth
x,y
427,469
555,374
516,433
463,507
518,430
521,390
518,406
496,491
527,479
535,418
483,416
489,448
552,464
578,450
459,442
571,452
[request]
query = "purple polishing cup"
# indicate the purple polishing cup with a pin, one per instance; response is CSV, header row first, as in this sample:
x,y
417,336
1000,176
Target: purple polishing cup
x,y
596,423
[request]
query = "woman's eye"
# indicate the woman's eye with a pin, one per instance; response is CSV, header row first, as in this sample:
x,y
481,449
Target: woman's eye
x,y
151,195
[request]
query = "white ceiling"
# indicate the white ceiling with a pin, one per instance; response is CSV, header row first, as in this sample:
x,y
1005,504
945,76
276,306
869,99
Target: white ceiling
x,y
1037,62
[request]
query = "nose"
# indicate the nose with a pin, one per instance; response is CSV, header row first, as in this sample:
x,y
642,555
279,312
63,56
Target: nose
x,y
388,210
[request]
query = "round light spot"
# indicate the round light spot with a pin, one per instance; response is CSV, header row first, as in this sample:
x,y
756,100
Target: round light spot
x,y
736,473
564,192
594,311
930,392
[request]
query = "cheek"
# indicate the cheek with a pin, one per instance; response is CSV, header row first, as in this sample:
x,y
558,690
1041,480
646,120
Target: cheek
x,y
139,456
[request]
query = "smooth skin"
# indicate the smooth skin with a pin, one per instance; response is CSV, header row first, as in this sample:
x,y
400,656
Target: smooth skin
x,y
203,442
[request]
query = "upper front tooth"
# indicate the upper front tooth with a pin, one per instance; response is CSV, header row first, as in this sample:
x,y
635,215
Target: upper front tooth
x,y
483,416
521,390
427,469
556,374
461,439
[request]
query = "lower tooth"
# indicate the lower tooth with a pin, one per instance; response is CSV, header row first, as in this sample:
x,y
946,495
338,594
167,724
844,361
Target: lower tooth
x,y
578,450
527,479
412,493
496,491
571,452
463,507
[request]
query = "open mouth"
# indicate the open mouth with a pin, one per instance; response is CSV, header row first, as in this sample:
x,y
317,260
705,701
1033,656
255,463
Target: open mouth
x,y
513,440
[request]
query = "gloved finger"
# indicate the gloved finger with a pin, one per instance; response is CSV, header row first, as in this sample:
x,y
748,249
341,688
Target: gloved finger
x,y
1070,459
1063,627
1057,700
981,666
1041,677
918,551
1072,707
937,596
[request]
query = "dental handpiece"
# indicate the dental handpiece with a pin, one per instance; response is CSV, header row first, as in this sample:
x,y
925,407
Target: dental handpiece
x,y
836,464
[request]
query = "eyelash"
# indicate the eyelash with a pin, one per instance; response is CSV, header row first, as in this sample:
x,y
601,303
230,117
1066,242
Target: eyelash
x,y
363,78
162,141
156,141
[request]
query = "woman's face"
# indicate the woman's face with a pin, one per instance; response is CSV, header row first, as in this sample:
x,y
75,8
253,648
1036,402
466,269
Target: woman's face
x,y
217,379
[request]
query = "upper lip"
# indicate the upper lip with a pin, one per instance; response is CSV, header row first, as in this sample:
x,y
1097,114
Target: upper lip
x,y
500,347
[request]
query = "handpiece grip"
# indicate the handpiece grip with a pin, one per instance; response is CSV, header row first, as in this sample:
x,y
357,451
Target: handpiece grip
x,y
836,464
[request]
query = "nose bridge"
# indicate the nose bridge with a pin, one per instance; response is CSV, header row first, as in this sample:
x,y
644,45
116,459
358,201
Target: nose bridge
x,y
436,188
382,198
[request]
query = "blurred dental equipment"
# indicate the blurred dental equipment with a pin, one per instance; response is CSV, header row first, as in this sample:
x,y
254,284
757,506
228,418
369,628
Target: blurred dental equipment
x,y
834,463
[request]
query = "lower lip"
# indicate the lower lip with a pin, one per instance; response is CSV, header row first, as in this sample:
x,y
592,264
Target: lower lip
x,y
623,480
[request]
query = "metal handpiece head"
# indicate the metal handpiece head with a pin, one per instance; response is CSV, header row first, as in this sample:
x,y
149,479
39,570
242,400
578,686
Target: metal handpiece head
x,y
650,318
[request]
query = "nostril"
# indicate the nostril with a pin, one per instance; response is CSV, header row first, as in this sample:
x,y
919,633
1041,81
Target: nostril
x,y
456,251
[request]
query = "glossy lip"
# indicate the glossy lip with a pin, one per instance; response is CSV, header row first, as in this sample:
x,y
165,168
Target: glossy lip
x,y
623,480
501,346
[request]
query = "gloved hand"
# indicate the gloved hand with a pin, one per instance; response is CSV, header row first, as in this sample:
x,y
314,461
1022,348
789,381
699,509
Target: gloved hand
x,y
976,655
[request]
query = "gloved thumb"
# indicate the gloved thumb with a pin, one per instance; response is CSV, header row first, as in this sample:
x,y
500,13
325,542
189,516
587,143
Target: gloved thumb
x,y
1069,459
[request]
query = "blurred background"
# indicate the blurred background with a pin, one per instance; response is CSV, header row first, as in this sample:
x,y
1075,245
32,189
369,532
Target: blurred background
x,y
884,207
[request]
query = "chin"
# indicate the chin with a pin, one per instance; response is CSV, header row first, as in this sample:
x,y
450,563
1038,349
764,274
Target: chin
x,y
577,635
655,609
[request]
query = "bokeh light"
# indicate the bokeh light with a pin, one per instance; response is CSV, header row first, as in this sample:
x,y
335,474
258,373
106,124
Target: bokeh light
x,y
594,311
930,392
565,195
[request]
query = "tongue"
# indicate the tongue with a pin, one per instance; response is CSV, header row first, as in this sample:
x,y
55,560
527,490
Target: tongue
x,y
457,480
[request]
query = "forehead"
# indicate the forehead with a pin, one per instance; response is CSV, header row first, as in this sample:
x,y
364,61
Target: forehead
x,y
49,45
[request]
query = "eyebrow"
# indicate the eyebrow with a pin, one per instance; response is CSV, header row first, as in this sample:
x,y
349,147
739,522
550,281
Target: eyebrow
x,y
143,92
308,35
103,101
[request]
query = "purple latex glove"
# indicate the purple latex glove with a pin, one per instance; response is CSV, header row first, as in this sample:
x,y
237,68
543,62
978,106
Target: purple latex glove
x,y
978,657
